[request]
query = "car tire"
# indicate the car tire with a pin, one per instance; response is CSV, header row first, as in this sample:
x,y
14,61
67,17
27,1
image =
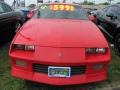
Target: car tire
x,y
117,44
17,26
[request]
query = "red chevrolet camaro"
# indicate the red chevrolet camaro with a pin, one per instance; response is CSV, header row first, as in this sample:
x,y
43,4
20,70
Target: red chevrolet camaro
x,y
59,45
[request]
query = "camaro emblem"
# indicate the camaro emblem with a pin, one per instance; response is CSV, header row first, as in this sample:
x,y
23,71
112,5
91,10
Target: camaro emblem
x,y
60,54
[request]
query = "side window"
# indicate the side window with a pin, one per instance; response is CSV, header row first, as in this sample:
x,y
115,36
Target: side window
x,y
105,9
117,12
111,10
6,8
1,9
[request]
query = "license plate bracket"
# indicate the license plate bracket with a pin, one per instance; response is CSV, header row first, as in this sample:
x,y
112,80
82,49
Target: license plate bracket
x,y
59,72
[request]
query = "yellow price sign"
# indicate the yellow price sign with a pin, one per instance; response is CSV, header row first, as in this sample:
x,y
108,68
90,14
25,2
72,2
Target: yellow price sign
x,y
62,7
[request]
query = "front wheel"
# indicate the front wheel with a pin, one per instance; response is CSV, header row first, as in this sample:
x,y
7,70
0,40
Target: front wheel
x,y
117,44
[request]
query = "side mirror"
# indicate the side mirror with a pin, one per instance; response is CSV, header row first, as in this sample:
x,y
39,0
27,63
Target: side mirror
x,y
92,17
111,15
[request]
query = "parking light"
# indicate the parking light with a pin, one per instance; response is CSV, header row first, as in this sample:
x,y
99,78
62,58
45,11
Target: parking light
x,y
97,66
21,63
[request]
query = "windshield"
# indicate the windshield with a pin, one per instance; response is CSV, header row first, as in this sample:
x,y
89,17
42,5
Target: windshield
x,y
62,11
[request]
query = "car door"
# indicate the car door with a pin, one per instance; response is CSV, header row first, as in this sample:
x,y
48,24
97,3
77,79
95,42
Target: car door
x,y
6,21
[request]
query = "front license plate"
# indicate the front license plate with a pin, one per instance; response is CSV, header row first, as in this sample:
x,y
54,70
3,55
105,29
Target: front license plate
x,y
59,71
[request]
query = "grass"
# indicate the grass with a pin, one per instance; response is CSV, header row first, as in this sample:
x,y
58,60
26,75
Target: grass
x,y
114,68
113,79
9,83
6,81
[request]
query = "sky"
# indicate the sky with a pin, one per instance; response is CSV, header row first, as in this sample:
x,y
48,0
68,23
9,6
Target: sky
x,y
68,1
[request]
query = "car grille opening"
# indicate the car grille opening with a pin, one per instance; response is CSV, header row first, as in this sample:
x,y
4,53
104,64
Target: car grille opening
x,y
75,70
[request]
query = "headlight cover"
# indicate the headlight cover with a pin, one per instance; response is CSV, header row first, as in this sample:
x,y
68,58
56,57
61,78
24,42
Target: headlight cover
x,y
96,50
23,47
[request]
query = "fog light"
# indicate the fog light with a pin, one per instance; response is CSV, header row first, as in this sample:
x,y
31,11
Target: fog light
x,y
97,66
21,63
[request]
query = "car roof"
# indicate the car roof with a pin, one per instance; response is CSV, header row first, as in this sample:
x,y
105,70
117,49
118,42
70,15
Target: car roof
x,y
4,2
118,5
115,5
1,2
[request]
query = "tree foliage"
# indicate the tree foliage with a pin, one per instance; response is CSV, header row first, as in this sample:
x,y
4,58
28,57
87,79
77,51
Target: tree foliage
x,y
105,3
32,6
88,3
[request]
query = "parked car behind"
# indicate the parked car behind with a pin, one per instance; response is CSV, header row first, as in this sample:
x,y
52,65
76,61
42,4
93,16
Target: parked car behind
x,y
28,12
25,11
90,10
59,45
109,21
10,21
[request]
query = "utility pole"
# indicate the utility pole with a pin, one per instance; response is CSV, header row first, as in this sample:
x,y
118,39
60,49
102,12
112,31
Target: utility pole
x,y
24,3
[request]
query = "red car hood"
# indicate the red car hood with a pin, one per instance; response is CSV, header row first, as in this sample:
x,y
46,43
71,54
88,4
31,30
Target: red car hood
x,y
60,33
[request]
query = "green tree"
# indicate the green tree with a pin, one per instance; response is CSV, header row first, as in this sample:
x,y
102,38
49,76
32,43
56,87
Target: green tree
x,y
91,3
88,3
32,6
105,3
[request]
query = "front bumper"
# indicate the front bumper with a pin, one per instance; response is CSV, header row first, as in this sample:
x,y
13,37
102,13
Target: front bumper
x,y
88,77
71,57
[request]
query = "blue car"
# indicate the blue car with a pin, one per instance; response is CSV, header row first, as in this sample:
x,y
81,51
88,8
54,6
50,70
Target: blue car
x,y
25,11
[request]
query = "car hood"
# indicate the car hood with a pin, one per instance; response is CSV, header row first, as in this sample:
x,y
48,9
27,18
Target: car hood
x,y
60,33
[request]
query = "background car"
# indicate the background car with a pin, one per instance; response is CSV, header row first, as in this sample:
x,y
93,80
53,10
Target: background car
x,y
10,21
108,20
28,12
90,10
25,11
